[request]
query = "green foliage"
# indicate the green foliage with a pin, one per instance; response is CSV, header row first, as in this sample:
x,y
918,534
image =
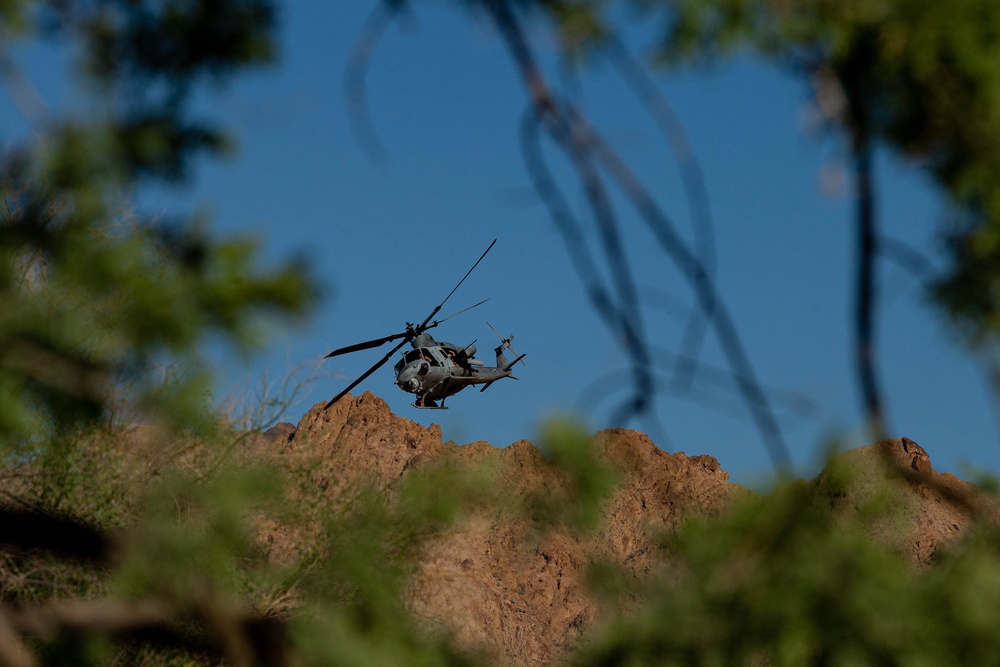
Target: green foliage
x,y
194,537
971,292
104,312
97,296
807,574
354,589
589,479
784,580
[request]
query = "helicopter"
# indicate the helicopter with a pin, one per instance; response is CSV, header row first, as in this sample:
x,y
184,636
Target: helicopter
x,y
434,370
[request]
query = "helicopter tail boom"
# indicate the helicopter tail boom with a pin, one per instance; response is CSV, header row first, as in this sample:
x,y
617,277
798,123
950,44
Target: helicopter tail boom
x,y
503,365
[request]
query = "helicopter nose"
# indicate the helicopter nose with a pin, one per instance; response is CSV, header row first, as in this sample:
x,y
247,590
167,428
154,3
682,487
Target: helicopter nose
x,y
406,380
410,385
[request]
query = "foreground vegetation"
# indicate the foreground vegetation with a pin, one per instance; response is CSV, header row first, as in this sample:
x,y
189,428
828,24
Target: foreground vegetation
x,y
126,545
154,552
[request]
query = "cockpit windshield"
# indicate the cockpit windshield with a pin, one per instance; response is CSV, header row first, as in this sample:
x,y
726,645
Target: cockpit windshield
x,y
421,354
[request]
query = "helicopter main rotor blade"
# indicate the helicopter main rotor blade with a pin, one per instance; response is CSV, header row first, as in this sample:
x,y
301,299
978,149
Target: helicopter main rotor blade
x,y
423,325
368,344
377,342
437,322
364,376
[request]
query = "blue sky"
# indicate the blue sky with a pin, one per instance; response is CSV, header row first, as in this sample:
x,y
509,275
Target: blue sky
x,y
389,240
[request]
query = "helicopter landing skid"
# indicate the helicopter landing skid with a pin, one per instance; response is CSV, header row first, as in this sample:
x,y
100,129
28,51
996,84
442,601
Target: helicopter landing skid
x,y
428,405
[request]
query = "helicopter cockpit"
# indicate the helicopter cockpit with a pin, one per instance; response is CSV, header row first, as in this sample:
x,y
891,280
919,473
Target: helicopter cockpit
x,y
421,354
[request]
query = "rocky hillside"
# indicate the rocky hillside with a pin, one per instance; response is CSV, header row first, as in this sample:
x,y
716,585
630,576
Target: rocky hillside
x,y
496,581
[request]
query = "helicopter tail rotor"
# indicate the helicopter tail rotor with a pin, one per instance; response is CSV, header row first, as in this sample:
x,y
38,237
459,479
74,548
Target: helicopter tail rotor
x,y
505,345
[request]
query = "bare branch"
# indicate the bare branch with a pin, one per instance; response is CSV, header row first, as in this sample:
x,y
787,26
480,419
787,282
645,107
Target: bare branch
x,y
22,91
578,147
103,616
67,537
908,258
355,88
565,221
866,287
581,143
694,187
244,638
709,382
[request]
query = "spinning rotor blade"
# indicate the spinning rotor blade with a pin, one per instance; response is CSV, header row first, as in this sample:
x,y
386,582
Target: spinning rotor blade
x,y
364,376
437,322
423,325
377,342
367,344
494,330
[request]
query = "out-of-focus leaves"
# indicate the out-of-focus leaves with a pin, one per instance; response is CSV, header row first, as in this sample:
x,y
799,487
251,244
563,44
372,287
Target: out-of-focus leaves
x,y
97,296
195,539
589,478
90,306
176,40
158,145
783,579
971,291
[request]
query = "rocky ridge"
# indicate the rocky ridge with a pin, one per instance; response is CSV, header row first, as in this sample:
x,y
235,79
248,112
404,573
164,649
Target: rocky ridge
x,y
496,583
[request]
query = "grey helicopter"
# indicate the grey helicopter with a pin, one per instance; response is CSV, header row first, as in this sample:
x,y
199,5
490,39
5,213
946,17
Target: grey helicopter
x,y
434,370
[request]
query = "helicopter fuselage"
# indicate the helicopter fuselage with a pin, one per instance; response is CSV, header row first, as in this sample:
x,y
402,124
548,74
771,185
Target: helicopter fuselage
x,y
434,370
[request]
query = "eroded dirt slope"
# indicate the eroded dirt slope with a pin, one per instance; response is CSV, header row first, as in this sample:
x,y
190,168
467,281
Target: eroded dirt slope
x,y
498,582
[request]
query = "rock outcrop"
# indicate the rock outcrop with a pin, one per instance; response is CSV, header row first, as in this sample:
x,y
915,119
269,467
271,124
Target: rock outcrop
x,y
935,508
497,582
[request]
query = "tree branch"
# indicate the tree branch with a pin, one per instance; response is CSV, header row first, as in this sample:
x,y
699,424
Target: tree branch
x,y
693,181
580,142
866,288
